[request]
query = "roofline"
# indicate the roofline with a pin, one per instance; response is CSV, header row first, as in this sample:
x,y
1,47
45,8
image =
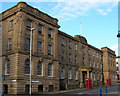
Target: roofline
x,y
75,39
23,9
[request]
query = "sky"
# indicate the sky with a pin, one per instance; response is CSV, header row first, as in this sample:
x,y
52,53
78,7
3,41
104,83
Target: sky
x,y
98,19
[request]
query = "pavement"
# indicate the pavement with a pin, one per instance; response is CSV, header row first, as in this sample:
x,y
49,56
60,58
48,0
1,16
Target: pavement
x,y
81,92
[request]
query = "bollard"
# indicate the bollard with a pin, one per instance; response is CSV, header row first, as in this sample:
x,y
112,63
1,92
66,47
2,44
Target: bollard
x,y
106,88
100,91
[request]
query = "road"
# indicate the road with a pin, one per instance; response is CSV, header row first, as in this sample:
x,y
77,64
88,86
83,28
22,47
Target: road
x,y
112,91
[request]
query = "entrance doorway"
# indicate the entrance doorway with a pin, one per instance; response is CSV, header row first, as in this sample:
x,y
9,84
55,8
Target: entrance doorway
x,y
40,88
84,75
27,87
5,89
50,88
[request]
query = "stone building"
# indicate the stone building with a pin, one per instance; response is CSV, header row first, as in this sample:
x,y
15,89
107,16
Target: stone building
x,y
59,61
109,64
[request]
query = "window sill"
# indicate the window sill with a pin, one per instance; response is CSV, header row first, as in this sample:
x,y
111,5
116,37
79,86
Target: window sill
x,y
76,79
63,45
27,74
7,74
50,76
40,75
9,50
10,30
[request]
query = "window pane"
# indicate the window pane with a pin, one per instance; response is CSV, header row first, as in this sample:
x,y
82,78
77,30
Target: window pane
x,y
75,46
40,28
49,69
9,43
62,55
28,43
0,28
39,46
62,41
27,66
69,44
76,75
39,68
62,73
29,23
49,49
11,25
7,67
50,33
69,74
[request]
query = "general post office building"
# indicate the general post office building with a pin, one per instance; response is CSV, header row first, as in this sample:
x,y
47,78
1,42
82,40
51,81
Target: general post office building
x,y
59,61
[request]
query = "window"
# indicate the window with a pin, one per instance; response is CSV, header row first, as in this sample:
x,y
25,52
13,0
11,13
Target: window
x,y
117,68
69,74
93,64
40,28
39,68
93,76
50,33
83,60
9,43
62,55
39,47
83,50
29,23
49,49
69,57
88,51
97,55
76,75
97,64
75,59
62,41
0,27
49,69
75,46
62,73
28,43
93,53
11,25
69,44
27,67
7,67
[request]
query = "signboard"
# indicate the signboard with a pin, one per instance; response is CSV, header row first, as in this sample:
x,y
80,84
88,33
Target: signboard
x,y
35,81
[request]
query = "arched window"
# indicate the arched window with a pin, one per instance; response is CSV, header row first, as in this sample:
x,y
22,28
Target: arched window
x,y
39,68
50,69
62,73
7,67
27,66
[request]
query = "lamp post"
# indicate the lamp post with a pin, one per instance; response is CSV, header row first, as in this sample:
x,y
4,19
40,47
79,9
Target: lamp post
x,y
31,30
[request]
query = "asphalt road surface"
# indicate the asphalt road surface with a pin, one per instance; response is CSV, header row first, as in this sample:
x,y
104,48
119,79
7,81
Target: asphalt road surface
x,y
111,91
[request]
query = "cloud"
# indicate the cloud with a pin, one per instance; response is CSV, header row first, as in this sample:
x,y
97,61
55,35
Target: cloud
x,y
71,9
102,11
114,47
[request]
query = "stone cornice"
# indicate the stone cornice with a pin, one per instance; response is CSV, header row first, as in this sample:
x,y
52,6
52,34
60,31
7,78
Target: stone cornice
x,y
76,39
23,7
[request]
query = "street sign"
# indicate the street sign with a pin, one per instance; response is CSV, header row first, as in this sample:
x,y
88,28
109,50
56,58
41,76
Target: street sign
x,y
35,81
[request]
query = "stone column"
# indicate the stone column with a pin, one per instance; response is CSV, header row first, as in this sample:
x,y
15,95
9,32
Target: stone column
x,y
87,73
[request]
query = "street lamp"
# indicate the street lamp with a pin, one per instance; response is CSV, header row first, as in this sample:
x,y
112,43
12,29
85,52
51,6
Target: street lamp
x,y
31,30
